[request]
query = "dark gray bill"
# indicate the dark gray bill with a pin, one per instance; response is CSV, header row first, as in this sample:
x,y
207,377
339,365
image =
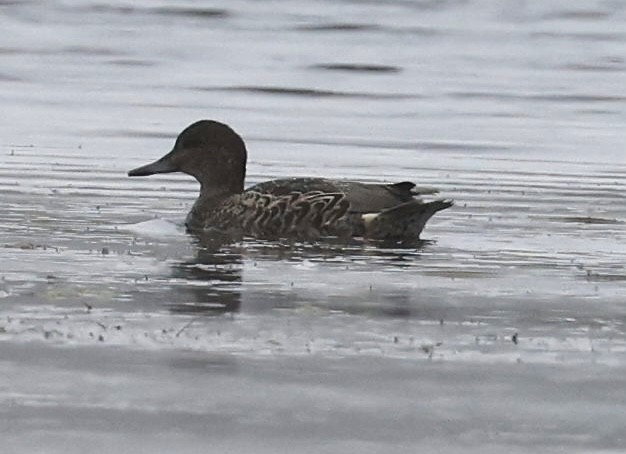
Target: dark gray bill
x,y
163,165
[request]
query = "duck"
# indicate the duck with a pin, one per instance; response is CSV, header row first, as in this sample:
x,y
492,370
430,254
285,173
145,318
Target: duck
x,y
301,208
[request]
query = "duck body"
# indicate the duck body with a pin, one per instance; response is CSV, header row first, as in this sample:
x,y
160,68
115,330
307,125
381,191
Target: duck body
x,y
298,208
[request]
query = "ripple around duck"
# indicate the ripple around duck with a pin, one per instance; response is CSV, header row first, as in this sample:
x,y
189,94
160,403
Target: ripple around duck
x,y
308,92
581,36
357,67
575,15
545,97
10,78
211,13
180,11
131,62
93,51
608,67
388,144
416,31
338,27
584,220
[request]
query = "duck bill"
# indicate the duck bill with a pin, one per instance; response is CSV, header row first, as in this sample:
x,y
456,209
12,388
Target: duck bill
x,y
163,165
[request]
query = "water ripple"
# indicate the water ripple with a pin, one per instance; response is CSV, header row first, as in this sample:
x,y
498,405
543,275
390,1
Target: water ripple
x,y
309,92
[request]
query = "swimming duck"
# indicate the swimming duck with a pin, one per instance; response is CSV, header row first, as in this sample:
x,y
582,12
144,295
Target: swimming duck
x,y
300,208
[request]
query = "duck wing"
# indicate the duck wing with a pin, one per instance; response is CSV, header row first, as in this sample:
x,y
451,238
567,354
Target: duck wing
x,y
363,197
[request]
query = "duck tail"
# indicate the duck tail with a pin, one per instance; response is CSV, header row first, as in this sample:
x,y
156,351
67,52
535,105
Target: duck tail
x,y
404,221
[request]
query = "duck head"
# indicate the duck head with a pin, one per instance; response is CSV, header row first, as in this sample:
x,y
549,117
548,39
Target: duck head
x,y
209,151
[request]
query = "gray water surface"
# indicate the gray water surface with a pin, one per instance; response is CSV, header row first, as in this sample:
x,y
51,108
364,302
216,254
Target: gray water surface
x,y
504,332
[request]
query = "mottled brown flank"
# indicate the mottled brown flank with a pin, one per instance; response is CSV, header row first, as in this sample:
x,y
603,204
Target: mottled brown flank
x,y
296,215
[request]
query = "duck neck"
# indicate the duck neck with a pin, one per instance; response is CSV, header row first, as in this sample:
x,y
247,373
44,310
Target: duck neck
x,y
210,198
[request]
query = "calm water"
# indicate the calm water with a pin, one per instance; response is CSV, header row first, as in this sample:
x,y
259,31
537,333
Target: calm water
x,y
505,333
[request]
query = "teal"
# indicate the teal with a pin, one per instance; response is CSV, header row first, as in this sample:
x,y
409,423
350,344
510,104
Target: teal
x,y
299,208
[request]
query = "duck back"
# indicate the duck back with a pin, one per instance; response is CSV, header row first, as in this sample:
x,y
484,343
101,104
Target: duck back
x,y
363,197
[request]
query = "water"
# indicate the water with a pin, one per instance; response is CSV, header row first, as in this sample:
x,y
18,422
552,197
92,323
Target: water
x,y
505,332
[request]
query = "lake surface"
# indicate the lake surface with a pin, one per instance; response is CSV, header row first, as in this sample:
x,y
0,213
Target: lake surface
x,y
505,332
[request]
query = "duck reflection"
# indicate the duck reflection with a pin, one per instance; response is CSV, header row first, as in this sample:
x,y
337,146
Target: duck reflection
x,y
214,284
214,281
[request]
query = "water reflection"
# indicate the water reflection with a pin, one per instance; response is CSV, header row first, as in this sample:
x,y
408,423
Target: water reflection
x,y
329,250
212,283
213,278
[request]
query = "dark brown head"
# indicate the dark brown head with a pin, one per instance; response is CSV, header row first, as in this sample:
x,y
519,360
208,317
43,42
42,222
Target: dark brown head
x,y
209,151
